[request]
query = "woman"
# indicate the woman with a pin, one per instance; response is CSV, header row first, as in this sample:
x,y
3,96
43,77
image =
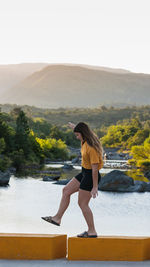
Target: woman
x,y
86,182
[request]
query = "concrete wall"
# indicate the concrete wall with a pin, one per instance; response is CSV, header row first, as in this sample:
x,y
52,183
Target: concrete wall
x,y
49,246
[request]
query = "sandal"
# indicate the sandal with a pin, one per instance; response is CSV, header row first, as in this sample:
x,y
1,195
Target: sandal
x,y
50,220
85,234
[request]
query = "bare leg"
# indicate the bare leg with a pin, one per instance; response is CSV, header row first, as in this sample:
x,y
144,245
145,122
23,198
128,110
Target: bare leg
x,y
83,200
70,188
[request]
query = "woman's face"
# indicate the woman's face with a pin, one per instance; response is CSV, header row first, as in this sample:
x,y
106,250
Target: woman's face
x,y
78,136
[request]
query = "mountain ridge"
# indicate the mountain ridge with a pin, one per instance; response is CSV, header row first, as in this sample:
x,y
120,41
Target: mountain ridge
x,y
72,85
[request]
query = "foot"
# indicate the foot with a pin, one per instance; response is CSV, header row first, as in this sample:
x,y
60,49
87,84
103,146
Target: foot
x,y
91,232
86,234
51,220
54,218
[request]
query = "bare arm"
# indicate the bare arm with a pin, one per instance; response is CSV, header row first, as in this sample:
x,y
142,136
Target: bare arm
x,y
94,191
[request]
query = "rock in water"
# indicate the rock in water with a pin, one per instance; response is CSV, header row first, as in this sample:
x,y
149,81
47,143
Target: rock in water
x,y
147,189
118,181
68,166
51,178
147,175
4,178
75,160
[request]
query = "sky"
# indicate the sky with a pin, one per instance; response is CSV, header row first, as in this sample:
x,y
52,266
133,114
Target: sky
x,y
110,33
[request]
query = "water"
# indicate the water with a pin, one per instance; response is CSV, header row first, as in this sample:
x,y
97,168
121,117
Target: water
x,y
26,199
78,167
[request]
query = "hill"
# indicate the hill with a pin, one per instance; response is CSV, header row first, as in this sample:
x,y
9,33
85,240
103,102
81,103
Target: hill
x,y
12,74
79,86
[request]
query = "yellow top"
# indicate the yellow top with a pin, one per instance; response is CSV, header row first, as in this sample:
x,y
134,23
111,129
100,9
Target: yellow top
x,y
90,156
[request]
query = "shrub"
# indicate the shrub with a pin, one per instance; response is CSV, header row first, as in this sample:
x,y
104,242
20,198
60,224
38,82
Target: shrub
x,y
144,164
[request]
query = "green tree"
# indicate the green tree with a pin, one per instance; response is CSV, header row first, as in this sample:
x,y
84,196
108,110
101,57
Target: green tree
x,y
22,133
18,159
121,135
138,138
141,154
55,132
7,133
2,145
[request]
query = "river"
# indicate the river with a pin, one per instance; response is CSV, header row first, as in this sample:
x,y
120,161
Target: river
x,y
25,200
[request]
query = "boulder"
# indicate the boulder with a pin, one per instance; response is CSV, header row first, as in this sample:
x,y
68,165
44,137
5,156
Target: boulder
x,y
47,179
4,178
115,181
68,166
50,178
147,174
140,186
118,181
147,189
75,160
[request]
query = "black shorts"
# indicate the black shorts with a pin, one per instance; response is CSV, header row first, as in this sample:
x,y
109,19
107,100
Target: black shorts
x,y
86,180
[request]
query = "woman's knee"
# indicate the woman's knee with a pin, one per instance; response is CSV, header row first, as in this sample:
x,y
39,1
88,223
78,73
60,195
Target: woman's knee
x,y
66,191
82,204
83,200
71,187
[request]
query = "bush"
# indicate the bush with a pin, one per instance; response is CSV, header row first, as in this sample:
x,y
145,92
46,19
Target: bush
x,y
144,164
5,163
53,149
132,162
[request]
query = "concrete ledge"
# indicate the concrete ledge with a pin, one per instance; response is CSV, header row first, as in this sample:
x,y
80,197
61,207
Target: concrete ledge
x,y
146,253
52,246
109,248
32,246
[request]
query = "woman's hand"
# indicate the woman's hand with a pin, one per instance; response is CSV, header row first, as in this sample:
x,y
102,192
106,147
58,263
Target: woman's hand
x,y
71,125
94,192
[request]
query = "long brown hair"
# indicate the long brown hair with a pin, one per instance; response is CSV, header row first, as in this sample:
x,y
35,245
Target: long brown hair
x,y
89,136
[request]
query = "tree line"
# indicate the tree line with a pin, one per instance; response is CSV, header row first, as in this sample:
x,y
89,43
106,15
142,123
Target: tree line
x,y
19,145
26,139
134,136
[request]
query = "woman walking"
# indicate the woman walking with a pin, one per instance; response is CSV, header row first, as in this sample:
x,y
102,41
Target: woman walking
x,y
86,182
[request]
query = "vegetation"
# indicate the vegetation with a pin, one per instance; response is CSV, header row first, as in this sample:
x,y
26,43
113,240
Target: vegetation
x,y
134,136
141,155
29,135
19,146
98,117
126,134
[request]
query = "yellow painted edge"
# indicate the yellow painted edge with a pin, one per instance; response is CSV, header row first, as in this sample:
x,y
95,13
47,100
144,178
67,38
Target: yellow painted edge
x,y
80,243
32,246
